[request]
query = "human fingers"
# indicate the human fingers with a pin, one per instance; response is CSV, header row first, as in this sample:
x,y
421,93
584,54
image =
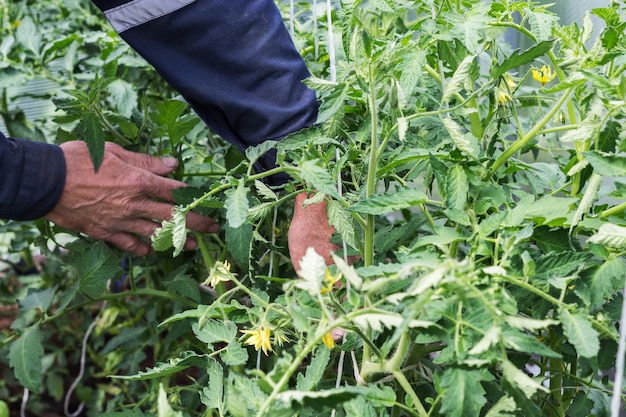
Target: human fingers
x,y
129,243
153,164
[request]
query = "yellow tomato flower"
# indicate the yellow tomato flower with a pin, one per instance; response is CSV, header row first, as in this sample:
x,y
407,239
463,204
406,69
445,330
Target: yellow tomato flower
x,y
329,281
16,24
220,272
544,76
328,340
503,97
260,339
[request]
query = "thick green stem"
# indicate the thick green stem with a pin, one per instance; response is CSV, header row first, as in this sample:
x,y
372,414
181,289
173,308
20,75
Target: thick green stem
x,y
521,142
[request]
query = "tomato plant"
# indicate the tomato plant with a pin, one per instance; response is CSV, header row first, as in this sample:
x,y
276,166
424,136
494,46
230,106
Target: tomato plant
x,y
481,187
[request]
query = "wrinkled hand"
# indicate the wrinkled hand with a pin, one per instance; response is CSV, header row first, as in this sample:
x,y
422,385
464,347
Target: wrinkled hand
x,y
124,202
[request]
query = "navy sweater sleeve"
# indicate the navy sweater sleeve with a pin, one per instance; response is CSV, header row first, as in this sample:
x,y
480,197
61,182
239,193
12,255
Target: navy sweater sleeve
x,y
232,60
32,177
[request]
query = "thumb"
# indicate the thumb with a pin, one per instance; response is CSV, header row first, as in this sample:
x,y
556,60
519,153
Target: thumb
x,y
158,166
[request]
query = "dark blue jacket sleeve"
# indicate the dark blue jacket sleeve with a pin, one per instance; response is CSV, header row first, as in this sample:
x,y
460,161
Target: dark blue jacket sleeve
x,y
32,176
232,60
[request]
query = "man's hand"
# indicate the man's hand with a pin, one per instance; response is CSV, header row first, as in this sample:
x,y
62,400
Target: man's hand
x,y
309,228
124,202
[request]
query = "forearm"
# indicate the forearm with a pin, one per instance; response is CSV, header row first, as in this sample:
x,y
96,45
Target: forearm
x,y
232,60
32,176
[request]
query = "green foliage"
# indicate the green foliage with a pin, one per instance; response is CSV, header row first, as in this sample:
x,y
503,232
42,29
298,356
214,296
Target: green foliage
x,y
486,209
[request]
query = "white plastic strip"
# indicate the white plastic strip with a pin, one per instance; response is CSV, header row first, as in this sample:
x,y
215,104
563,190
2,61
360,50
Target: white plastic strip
x,y
137,12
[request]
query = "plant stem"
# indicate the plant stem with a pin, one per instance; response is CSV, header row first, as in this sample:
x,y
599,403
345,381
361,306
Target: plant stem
x,y
406,385
368,256
521,142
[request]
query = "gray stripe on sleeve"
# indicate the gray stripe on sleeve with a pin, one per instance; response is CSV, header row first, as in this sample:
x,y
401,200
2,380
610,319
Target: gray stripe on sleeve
x,y
137,12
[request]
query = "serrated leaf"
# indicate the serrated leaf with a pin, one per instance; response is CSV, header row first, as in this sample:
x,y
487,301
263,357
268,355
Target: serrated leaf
x,y
386,203
580,333
239,243
213,331
459,79
541,24
321,399
489,339
95,267
527,323
610,235
212,396
348,272
605,279
265,191
164,407
253,153
312,271
172,233
320,84
234,354
37,299
464,141
464,396
173,366
457,188
341,219
332,103
25,358
519,379
123,95
516,60
90,130
607,164
28,35
237,205
525,343
384,5
314,372
319,178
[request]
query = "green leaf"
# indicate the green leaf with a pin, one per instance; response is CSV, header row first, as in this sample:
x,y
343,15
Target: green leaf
x,y
320,84
319,178
384,5
312,271
610,235
95,267
253,153
234,355
90,130
38,299
172,233
464,396
213,331
237,205
171,367
25,357
332,103
457,188
609,165
341,219
460,78
321,399
314,371
604,280
525,343
519,379
464,141
389,202
28,35
123,95
212,396
164,407
541,24
239,243
580,333
516,60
